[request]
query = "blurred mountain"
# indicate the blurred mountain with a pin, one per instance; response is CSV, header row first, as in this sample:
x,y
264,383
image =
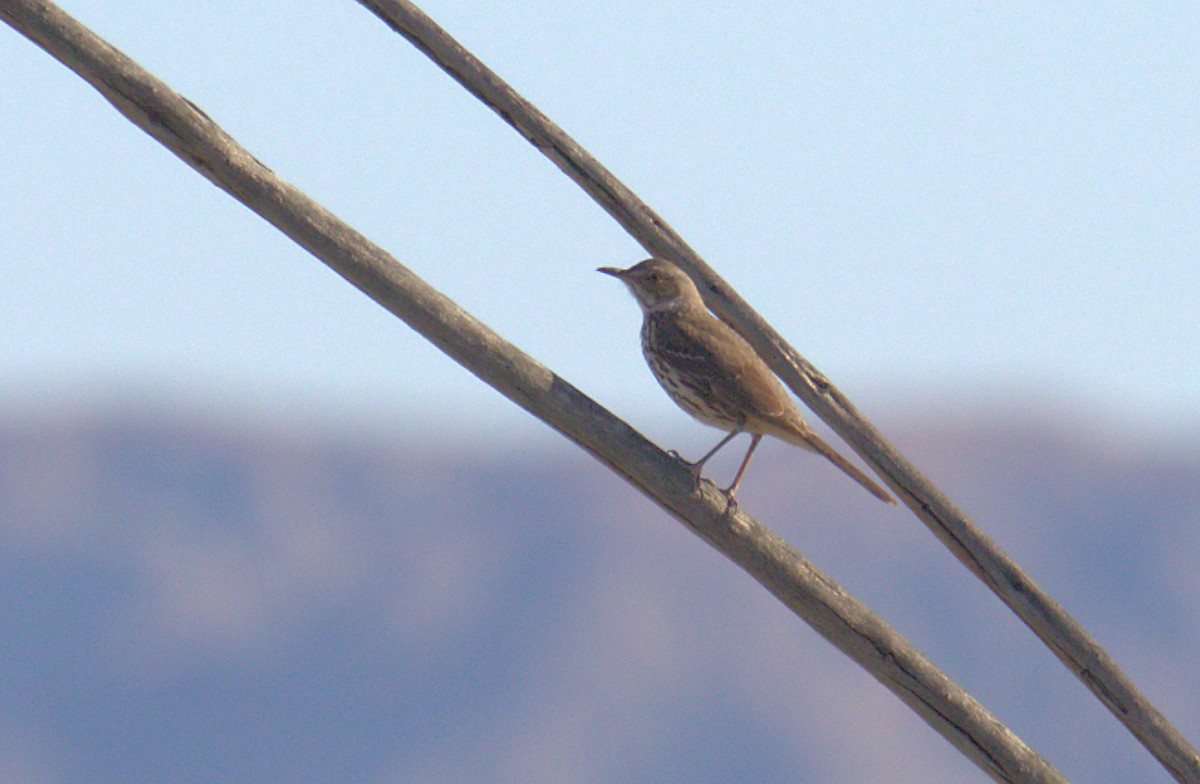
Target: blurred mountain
x,y
195,599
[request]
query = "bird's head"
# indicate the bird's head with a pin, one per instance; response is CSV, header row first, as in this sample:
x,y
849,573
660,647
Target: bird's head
x,y
657,284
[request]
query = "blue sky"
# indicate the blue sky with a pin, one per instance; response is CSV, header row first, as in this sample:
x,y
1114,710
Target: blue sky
x,y
938,204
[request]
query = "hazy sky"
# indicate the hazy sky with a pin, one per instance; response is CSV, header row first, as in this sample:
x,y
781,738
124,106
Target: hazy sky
x,y
933,202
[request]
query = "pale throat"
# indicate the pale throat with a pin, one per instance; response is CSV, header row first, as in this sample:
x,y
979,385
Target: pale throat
x,y
680,301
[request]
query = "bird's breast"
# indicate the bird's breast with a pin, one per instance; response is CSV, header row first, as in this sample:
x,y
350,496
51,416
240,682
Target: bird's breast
x,y
688,383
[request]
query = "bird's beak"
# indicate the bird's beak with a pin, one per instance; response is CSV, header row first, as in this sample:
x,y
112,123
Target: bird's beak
x,y
616,273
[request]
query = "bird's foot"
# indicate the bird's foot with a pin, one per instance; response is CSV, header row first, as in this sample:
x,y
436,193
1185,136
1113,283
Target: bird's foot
x,y
693,468
731,502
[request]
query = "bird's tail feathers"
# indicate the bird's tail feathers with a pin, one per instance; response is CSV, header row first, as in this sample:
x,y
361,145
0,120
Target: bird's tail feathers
x,y
811,441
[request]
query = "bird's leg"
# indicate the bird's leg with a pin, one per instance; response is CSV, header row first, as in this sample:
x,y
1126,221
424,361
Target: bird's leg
x,y
737,480
697,466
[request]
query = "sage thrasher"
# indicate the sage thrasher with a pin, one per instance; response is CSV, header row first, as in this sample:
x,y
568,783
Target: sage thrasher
x,y
712,373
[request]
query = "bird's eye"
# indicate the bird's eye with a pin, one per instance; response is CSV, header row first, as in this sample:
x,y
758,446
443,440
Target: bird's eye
x,y
653,277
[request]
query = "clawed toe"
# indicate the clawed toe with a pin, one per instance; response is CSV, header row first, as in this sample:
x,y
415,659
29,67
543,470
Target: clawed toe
x,y
731,502
693,468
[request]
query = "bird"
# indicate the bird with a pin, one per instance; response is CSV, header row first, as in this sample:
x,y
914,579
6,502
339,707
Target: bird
x,y
712,373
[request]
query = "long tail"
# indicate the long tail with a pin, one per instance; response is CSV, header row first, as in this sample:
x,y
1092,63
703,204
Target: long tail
x,y
808,439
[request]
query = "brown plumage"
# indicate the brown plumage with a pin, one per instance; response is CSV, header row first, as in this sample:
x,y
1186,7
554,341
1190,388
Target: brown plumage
x,y
712,373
